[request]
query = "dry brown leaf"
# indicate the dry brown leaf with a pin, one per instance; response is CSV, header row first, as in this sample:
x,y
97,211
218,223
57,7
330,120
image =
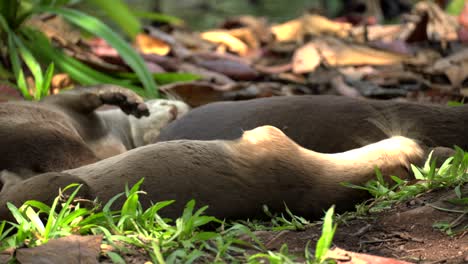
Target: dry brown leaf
x,y
319,25
55,27
225,38
337,53
247,36
305,59
288,31
71,249
232,68
196,93
349,257
258,25
207,75
431,23
455,67
384,33
274,69
151,45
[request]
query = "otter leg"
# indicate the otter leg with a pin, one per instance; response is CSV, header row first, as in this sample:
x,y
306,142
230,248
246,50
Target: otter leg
x,y
88,99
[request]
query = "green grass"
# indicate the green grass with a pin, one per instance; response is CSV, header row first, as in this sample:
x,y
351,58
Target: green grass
x,y
28,48
195,236
451,174
192,236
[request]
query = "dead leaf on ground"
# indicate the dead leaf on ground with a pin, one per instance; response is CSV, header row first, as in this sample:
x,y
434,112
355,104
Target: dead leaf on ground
x,y
342,256
55,27
196,93
318,26
306,59
207,75
431,23
337,53
454,67
223,37
231,68
258,25
151,45
71,249
288,32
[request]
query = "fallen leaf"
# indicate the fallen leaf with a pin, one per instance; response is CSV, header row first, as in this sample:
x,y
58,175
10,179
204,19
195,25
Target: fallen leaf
x,y
196,93
223,37
207,75
319,25
432,24
288,31
151,45
342,256
454,67
231,68
306,59
336,53
71,249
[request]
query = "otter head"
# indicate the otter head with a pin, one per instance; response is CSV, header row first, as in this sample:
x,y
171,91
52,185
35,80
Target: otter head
x,y
146,129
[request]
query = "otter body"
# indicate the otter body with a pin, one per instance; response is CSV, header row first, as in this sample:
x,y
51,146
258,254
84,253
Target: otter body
x,y
65,131
234,177
326,123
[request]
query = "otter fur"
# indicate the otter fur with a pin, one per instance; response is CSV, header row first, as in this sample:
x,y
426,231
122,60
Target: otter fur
x,y
65,131
233,177
326,123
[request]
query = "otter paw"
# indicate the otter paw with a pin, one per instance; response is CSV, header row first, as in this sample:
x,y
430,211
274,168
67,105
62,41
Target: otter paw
x,y
128,102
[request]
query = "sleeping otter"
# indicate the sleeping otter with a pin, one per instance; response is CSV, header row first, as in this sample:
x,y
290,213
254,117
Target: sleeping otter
x,y
326,123
64,131
234,177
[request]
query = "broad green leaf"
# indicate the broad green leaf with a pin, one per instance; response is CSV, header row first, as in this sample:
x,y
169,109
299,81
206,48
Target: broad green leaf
x,y
455,7
33,66
77,70
417,173
128,54
15,61
325,240
8,10
119,12
48,80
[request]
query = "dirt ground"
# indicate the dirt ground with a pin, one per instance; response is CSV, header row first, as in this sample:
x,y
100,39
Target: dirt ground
x,y
404,232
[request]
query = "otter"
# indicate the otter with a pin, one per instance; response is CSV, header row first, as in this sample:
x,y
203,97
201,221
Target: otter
x,y
233,177
326,123
65,131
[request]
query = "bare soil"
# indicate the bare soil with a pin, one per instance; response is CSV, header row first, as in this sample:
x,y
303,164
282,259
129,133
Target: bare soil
x,y
405,232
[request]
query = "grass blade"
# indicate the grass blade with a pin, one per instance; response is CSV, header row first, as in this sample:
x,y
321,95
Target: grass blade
x,y
33,66
129,55
121,15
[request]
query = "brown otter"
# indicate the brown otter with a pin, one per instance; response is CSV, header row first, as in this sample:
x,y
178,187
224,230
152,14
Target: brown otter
x,y
234,177
64,131
326,123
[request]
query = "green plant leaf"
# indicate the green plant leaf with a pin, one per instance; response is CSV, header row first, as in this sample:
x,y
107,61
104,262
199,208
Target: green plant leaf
x,y
33,66
325,240
48,80
128,54
119,12
77,70
455,7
